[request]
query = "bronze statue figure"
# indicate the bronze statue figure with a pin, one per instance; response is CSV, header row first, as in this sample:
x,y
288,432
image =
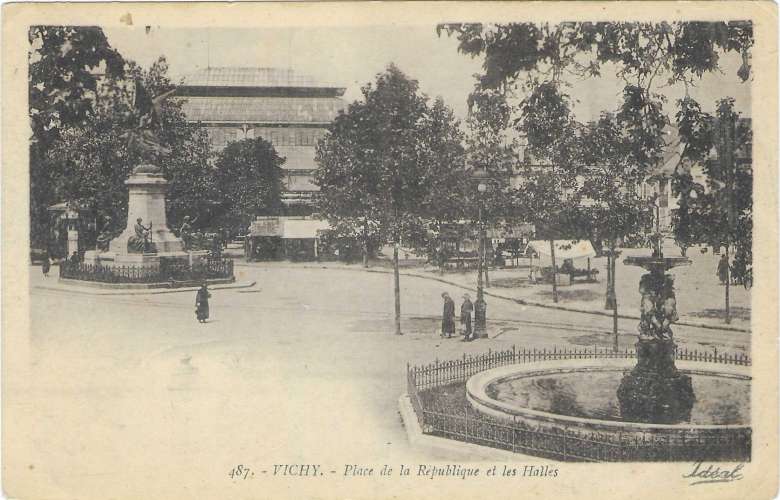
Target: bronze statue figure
x,y
143,138
141,241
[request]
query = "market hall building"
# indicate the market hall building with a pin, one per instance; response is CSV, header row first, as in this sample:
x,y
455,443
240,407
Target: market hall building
x,y
289,110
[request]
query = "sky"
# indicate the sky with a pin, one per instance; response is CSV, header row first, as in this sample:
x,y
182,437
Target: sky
x,y
351,56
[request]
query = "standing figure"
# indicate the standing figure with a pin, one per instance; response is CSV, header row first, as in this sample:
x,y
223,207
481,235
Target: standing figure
x,y
465,317
185,232
104,238
648,322
723,270
448,317
45,265
202,304
667,309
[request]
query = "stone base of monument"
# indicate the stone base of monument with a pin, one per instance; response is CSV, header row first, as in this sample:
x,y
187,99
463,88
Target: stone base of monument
x,y
164,269
655,391
145,260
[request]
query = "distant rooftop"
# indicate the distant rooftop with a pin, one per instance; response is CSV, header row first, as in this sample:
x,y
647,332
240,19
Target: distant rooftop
x,y
252,77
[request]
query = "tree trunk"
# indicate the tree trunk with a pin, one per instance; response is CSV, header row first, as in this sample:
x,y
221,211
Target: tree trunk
x,y
614,300
554,272
728,284
727,162
397,290
365,244
608,300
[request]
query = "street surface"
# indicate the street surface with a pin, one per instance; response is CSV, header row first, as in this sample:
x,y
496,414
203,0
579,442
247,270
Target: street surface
x,y
302,368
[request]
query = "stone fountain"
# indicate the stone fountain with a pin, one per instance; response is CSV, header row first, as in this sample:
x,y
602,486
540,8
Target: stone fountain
x,y
655,391
649,399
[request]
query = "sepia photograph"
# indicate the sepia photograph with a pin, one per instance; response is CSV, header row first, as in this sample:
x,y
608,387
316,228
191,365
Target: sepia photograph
x,y
339,257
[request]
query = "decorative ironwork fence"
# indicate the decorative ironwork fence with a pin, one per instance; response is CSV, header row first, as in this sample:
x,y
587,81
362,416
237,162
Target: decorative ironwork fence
x,y
168,270
558,441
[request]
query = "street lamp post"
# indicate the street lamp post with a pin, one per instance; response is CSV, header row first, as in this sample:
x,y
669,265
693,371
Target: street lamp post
x,y
480,306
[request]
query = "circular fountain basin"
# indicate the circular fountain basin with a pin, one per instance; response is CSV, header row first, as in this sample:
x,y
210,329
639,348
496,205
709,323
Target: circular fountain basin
x,y
582,394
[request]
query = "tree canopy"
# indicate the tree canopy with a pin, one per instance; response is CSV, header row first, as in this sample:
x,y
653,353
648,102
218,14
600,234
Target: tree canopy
x,y
248,177
535,63
393,159
719,210
80,112
393,163
66,63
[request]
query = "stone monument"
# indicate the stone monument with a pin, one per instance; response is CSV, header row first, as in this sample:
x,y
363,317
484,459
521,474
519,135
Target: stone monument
x,y
147,241
146,190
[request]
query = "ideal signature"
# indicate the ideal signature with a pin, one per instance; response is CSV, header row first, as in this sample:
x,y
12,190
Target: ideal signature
x,y
702,474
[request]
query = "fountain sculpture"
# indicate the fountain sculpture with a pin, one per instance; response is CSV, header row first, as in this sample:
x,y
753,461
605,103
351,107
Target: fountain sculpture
x,y
655,391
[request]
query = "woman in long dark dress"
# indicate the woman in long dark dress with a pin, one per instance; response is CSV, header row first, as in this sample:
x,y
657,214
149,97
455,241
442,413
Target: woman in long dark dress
x,y
202,304
448,317
45,265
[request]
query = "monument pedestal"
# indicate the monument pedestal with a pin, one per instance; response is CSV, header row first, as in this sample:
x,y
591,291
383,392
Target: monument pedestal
x,y
655,391
147,188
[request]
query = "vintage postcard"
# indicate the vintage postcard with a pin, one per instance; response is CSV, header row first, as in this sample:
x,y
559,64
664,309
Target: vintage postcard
x,y
389,250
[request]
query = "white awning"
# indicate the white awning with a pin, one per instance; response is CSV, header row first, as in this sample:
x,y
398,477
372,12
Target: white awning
x,y
564,249
304,228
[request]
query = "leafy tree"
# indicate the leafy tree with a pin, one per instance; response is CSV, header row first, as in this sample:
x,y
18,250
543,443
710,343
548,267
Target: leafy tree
x,y
547,192
248,177
613,207
64,64
392,162
537,60
490,150
445,197
720,212
88,161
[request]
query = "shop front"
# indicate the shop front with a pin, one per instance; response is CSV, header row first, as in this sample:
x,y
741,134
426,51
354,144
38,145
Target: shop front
x,y
284,238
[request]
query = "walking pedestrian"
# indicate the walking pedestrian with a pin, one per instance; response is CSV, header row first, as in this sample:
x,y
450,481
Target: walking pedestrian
x,y
45,265
448,317
465,317
723,269
202,304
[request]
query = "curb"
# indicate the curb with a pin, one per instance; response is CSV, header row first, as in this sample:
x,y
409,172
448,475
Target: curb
x,y
512,299
147,291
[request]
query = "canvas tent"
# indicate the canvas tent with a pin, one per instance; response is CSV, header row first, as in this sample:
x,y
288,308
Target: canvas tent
x,y
564,249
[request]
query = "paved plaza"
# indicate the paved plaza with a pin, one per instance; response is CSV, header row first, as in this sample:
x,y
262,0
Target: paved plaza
x,y
302,344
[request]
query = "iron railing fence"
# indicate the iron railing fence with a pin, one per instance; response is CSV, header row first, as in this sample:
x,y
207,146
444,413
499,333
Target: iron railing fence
x,y
166,271
562,442
445,372
568,444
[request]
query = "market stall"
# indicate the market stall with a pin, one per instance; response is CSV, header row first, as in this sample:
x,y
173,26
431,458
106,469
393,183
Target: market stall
x,y
572,260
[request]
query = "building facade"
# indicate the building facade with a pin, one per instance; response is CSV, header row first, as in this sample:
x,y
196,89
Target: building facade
x,y
288,109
